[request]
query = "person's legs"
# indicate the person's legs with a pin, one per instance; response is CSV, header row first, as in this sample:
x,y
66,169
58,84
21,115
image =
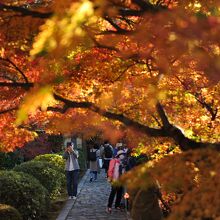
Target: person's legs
x,y
111,196
75,181
119,192
91,176
107,166
95,175
69,178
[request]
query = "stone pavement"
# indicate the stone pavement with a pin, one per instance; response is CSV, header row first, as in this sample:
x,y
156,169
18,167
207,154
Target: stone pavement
x,y
91,202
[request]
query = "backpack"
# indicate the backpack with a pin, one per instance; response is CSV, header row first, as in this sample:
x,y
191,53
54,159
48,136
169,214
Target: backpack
x,y
108,152
92,155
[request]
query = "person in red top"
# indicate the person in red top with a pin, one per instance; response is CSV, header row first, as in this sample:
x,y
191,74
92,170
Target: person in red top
x,y
114,172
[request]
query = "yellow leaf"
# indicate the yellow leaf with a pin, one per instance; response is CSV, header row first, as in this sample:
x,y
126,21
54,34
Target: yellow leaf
x,y
59,32
39,97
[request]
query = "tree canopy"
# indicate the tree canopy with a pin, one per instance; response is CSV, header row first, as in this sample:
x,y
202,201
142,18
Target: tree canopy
x,y
154,61
144,70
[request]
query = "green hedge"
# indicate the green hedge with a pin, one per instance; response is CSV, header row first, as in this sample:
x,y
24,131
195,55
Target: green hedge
x,y
8,212
25,193
9,160
50,178
55,160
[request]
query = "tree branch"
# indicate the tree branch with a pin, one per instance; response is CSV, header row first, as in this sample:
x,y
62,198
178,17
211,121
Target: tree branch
x,y
7,77
130,12
123,72
162,114
16,67
17,84
175,133
8,110
208,107
198,96
114,116
24,11
119,30
168,130
155,118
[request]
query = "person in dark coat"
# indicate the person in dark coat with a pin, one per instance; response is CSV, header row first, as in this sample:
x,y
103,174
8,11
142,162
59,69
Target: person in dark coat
x,y
94,164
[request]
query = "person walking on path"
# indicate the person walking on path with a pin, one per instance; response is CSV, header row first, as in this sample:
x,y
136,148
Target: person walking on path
x,y
72,169
107,155
114,172
94,155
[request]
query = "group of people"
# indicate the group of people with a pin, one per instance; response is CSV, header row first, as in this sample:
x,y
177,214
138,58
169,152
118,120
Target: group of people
x,y
115,160
105,157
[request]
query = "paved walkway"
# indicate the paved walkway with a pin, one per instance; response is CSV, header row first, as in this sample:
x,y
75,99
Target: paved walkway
x,y
91,202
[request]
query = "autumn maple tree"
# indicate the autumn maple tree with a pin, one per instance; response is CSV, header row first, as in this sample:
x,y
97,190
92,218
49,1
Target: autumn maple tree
x,y
144,70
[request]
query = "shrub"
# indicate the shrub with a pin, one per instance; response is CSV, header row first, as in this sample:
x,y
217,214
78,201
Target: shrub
x,y
8,212
50,178
9,160
55,160
60,153
25,193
